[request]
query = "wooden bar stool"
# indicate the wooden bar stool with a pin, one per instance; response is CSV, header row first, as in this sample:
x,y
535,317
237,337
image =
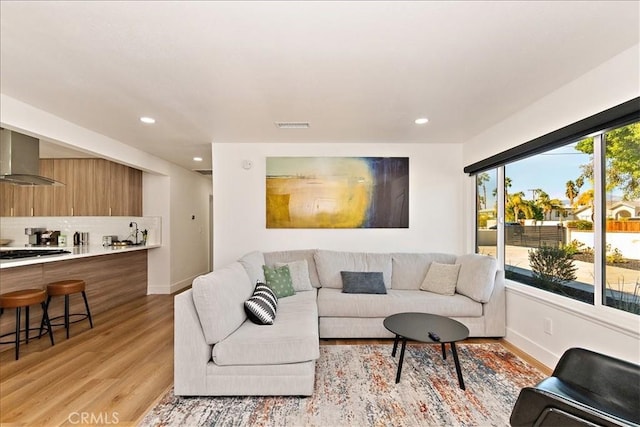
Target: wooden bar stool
x,y
66,288
25,298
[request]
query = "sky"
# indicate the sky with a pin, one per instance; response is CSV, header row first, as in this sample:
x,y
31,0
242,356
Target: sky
x,y
549,171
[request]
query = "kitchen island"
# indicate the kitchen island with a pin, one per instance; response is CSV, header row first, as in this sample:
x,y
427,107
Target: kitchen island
x,y
113,276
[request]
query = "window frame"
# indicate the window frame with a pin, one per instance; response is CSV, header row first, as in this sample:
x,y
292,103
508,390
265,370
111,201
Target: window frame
x,y
599,310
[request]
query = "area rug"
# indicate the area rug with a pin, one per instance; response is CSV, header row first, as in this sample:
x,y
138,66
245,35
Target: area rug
x,y
355,386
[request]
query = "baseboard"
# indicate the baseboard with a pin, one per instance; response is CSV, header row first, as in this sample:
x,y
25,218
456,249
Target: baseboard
x,y
533,349
175,287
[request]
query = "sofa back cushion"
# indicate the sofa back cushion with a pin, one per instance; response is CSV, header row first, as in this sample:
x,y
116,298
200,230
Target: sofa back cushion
x,y
252,263
271,258
409,270
331,263
219,298
477,276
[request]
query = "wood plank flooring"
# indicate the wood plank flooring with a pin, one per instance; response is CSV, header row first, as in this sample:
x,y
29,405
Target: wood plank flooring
x,y
109,375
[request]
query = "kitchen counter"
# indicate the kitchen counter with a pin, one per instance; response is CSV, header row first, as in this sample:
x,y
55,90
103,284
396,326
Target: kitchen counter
x,y
112,276
77,252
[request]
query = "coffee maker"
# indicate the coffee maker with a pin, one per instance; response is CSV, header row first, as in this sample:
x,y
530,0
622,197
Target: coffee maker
x,y
35,235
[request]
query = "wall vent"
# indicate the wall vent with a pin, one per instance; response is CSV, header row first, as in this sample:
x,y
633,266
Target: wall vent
x,y
292,125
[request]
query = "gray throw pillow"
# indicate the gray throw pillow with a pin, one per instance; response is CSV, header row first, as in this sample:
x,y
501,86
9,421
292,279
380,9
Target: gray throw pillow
x,y
369,282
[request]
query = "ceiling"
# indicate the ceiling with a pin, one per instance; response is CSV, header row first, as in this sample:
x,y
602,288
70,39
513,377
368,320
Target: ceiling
x,y
356,71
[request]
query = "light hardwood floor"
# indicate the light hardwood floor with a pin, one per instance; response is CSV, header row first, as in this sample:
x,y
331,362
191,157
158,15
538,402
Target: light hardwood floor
x,y
111,374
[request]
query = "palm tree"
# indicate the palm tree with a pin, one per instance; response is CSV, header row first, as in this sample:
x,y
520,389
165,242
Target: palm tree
x,y
481,180
543,201
516,204
571,191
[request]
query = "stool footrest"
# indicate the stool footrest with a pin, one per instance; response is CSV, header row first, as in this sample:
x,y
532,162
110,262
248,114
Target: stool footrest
x,y
38,336
82,317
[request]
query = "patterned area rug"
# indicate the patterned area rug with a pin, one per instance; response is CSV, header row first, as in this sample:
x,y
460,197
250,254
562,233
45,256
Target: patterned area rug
x,y
355,386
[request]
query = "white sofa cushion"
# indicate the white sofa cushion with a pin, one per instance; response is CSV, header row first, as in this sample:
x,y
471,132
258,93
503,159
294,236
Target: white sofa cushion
x,y
477,276
409,270
335,303
219,298
253,262
292,338
331,263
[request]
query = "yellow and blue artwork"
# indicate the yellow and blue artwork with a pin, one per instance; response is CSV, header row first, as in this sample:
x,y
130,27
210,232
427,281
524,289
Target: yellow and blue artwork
x,y
337,192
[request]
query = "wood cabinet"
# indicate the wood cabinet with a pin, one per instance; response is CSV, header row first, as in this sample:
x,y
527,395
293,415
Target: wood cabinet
x,y
63,195
43,196
23,200
91,178
101,187
92,187
125,190
6,199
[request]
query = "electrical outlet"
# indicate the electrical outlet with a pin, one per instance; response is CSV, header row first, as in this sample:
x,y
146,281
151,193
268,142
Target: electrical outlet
x,y
548,326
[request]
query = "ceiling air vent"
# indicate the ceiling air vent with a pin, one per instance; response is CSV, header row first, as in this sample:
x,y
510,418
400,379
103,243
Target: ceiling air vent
x,y
205,172
292,125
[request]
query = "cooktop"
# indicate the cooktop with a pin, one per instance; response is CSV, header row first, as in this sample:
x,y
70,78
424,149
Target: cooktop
x,y
31,253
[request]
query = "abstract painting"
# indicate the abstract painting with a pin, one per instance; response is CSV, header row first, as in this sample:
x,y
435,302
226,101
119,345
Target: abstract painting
x,y
337,192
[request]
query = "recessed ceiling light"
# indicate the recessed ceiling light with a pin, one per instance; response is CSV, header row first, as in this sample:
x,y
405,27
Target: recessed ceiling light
x,y
421,120
197,159
148,120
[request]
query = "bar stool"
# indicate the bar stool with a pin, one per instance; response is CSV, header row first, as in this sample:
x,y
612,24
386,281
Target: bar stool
x,y
18,300
66,288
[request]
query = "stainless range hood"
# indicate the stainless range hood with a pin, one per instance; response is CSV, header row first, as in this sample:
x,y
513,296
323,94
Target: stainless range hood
x,y
20,160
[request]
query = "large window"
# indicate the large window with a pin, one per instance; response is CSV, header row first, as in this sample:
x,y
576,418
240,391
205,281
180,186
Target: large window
x,y
568,218
487,213
546,198
622,216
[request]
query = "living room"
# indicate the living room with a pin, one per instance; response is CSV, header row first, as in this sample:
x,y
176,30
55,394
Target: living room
x,y
442,196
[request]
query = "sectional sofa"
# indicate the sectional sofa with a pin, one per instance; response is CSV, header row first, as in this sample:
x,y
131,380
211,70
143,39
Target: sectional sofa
x,y
218,351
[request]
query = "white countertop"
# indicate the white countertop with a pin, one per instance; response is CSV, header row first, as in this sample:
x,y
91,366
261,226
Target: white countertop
x,y
76,253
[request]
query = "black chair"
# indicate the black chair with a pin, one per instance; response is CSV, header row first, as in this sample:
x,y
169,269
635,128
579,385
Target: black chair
x,y
585,389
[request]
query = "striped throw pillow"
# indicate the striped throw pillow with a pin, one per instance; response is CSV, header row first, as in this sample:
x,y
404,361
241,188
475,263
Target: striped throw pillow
x,y
261,307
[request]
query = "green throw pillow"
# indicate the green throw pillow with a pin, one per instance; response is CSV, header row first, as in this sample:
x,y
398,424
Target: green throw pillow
x,y
279,280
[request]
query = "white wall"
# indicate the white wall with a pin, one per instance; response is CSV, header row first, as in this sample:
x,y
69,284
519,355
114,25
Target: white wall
x,y
574,324
169,191
435,196
189,237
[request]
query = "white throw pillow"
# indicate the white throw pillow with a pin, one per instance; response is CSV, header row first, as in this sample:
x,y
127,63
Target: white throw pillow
x,y
477,276
299,274
441,278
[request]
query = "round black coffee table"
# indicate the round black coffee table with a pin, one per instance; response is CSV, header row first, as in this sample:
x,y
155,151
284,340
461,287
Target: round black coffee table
x,y
416,327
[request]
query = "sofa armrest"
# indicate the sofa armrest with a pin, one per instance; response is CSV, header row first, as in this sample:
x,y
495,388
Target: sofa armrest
x,y
495,309
191,352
